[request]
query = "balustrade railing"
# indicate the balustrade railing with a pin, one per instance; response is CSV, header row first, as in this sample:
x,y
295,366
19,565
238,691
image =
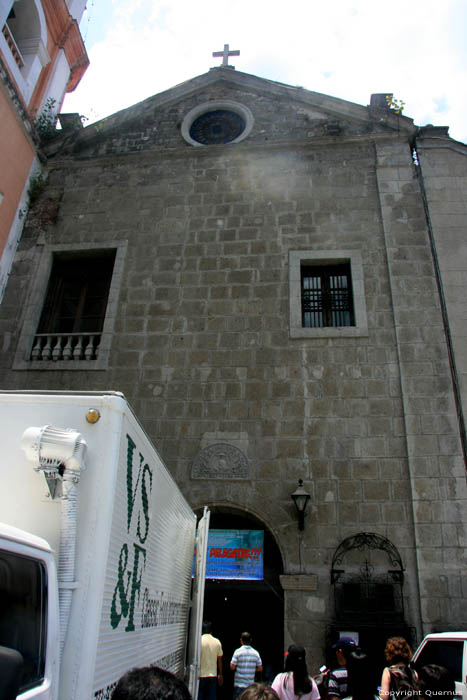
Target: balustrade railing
x,y
65,346
13,46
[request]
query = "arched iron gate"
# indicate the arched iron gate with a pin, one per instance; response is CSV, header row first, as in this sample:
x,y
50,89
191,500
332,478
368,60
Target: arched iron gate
x,y
367,576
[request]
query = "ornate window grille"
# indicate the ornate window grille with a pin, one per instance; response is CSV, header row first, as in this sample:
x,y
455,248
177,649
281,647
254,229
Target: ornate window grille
x,y
367,576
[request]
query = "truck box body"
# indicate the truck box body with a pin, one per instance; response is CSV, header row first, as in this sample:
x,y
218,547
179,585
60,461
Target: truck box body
x,y
135,536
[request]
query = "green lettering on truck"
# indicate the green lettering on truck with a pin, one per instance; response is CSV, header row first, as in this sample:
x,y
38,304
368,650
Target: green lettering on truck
x,y
120,590
128,587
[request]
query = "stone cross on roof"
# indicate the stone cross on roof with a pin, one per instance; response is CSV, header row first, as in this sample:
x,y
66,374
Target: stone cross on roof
x,y
225,55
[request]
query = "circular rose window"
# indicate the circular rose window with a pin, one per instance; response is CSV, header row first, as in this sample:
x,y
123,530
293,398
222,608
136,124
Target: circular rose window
x,y
218,126
217,123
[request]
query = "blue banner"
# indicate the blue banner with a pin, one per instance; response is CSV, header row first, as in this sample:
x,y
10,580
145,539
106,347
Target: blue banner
x,y
235,554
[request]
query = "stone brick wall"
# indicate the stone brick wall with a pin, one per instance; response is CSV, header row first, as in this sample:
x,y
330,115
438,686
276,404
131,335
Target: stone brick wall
x,y
436,466
444,180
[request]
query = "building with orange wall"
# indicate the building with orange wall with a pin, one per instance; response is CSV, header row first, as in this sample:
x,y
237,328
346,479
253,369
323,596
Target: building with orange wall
x,y
42,56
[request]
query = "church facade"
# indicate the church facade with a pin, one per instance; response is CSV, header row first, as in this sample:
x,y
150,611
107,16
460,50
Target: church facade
x,y
275,279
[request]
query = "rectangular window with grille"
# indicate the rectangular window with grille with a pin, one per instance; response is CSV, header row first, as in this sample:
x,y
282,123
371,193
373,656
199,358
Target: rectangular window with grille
x,y
326,294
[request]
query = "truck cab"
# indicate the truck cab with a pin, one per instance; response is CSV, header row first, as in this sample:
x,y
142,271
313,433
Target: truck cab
x,y
448,649
29,610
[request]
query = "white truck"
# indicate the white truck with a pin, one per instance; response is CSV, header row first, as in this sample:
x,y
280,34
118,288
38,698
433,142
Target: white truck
x,y
448,649
96,553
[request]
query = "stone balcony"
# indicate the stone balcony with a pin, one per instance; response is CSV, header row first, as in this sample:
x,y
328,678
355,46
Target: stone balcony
x,y
65,346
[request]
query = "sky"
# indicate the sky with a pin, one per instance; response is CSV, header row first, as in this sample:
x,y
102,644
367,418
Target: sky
x,y
415,49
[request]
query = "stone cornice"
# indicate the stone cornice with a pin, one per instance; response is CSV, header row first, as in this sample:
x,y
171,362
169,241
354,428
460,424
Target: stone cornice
x,y
433,142
56,160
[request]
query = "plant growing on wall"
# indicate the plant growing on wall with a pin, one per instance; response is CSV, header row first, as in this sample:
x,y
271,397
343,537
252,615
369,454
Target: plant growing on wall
x,y
46,121
36,185
396,105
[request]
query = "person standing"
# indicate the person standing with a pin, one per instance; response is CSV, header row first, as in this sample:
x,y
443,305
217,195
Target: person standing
x,y
295,682
337,684
398,678
246,662
361,680
211,664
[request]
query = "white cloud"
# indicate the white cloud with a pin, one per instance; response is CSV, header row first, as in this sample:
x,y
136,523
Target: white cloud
x,y
346,49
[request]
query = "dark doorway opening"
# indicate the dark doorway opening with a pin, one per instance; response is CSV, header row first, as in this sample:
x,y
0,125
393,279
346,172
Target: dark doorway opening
x,y
255,606
367,576
372,639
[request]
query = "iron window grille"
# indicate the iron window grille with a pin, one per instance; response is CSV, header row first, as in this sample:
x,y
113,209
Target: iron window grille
x,y
367,575
326,294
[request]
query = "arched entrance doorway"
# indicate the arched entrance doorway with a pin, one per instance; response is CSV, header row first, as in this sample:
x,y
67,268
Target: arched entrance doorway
x,y
234,606
367,576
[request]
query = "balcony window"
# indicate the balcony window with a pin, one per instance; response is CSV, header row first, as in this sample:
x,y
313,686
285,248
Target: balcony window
x,y
74,310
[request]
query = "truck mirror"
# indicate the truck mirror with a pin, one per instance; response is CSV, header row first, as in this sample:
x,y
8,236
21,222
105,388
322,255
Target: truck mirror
x,y
11,671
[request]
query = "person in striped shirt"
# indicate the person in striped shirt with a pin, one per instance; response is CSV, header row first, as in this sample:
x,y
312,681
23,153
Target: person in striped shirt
x,y
337,685
246,662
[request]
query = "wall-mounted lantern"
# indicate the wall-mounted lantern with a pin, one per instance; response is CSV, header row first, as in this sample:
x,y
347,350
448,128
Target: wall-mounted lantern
x,y
300,497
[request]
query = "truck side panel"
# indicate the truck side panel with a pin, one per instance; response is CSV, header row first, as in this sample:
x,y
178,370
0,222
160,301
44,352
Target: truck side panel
x,y
148,575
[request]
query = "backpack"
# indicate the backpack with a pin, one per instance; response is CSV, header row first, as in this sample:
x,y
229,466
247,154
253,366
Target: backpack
x,y
404,682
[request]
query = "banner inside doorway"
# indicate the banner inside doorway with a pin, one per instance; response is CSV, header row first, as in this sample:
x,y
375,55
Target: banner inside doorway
x,y
235,554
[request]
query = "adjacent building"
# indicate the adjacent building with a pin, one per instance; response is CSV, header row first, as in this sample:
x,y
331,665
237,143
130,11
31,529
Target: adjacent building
x,y
275,279
42,56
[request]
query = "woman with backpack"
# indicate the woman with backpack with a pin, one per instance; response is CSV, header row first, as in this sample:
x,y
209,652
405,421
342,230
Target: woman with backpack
x,y
399,680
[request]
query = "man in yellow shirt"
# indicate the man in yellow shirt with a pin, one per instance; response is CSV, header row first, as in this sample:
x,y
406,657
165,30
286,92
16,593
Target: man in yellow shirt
x,y
211,664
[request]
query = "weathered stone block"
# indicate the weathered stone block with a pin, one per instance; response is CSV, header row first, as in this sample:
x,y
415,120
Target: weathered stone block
x,y
349,491
369,513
